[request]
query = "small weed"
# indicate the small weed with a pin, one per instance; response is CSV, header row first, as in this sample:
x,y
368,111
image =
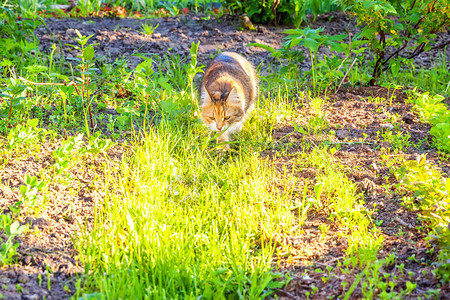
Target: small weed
x,y
48,272
378,222
398,141
324,228
148,29
22,136
73,146
11,229
31,189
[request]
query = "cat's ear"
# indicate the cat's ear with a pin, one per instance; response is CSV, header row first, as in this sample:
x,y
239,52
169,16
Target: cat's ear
x,y
233,96
206,93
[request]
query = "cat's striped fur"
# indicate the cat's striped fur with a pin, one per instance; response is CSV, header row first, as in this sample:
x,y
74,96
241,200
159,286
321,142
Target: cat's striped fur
x,y
228,92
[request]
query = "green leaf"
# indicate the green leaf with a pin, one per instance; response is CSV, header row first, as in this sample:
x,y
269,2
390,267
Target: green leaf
x,y
292,31
169,107
88,52
32,123
311,44
6,63
395,68
164,83
78,33
390,9
298,128
337,37
338,47
145,67
194,49
265,47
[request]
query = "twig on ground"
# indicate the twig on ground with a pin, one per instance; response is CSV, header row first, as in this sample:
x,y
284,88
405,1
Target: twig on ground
x,y
345,76
328,263
286,293
401,222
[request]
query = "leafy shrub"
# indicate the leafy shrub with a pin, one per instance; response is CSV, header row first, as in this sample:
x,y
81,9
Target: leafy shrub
x,y
398,31
441,132
263,11
431,110
280,12
16,39
431,196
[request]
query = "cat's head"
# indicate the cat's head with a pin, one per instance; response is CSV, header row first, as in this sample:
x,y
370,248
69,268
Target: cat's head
x,y
221,108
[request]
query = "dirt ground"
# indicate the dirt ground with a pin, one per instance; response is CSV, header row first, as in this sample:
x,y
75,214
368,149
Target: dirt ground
x,y
47,253
121,38
351,115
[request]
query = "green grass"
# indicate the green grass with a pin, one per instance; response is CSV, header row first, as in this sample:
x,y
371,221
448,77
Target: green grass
x,y
179,220
338,196
435,80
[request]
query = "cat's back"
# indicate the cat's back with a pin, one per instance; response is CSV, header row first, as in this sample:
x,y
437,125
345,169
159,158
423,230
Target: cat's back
x,y
229,64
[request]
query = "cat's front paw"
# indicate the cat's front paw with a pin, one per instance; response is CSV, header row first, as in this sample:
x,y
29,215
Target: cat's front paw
x,y
223,150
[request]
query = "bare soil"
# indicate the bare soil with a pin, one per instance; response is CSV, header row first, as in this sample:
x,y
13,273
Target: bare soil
x,y
47,251
121,38
47,257
351,115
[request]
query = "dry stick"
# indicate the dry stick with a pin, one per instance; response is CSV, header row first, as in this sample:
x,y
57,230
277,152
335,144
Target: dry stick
x,y
378,64
286,293
53,83
345,76
89,106
403,223
10,109
342,63
328,263
64,84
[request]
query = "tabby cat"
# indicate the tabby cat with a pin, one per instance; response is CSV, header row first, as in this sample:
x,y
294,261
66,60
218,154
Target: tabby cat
x,y
228,93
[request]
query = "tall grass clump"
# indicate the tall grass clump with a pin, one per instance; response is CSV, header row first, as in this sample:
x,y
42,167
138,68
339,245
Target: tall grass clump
x,y
179,220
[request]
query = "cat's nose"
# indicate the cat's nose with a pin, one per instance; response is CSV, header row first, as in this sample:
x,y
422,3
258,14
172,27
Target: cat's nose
x,y
219,127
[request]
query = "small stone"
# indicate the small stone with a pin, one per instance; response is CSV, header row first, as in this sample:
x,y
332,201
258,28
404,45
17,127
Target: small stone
x,y
425,283
385,145
342,134
30,297
408,118
23,278
11,274
387,125
366,185
262,29
365,148
27,260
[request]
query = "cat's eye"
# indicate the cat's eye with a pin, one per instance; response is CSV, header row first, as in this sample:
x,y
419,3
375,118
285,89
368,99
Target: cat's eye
x,y
227,118
212,118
